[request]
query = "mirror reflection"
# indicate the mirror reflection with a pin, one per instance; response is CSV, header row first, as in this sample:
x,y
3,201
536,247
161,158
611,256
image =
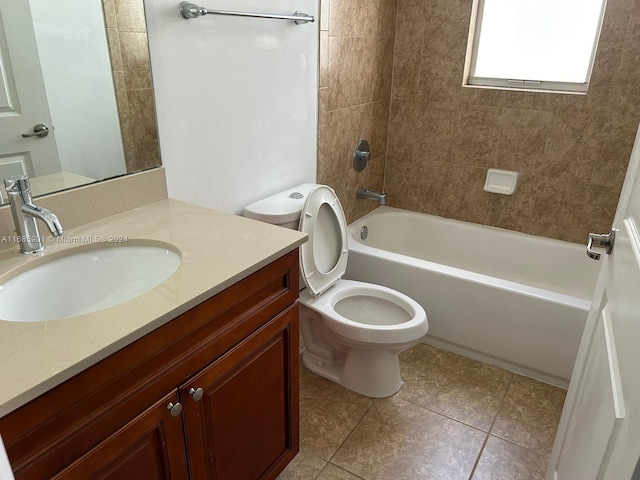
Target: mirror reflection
x,y
81,69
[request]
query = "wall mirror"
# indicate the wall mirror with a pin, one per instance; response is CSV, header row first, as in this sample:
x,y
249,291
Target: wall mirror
x,y
81,70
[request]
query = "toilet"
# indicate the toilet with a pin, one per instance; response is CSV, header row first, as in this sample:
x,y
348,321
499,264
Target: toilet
x,y
352,331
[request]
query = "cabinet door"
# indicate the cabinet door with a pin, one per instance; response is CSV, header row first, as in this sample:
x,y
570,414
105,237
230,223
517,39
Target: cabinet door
x,y
151,446
243,424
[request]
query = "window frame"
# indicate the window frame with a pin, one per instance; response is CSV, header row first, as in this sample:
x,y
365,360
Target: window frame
x,y
544,86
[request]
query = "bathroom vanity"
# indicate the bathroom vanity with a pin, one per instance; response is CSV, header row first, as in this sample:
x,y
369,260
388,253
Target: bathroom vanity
x,y
196,379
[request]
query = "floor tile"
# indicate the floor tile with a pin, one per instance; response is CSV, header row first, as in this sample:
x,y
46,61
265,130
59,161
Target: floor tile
x,y
331,472
305,466
505,460
530,414
328,412
456,386
402,441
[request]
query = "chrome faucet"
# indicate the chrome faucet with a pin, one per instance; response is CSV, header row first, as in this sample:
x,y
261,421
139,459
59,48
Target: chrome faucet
x,y
25,214
381,198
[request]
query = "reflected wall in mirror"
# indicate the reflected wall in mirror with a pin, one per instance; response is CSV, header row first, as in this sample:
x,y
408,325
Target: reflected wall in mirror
x,y
82,68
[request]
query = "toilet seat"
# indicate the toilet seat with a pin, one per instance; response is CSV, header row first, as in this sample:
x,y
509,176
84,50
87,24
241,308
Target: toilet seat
x,y
413,326
323,259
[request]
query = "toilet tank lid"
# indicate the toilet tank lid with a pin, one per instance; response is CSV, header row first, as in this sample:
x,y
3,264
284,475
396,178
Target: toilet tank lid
x,y
282,207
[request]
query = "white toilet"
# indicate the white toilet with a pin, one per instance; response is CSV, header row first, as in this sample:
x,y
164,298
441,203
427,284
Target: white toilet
x,y
352,331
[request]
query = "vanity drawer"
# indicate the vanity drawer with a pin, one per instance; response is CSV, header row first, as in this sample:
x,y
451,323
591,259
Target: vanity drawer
x,y
50,432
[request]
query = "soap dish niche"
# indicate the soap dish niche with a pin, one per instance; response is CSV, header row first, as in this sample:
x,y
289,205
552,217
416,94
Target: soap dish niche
x,y
503,182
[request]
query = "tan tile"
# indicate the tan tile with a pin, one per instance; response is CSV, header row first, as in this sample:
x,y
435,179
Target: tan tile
x,y
559,222
523,133
416,185
142,115
135,58
455,386
514,212
614,154
305,466
360,70
379,127
324,60
502,459
434,131
397,439
365,18
328,413
109,13
403,117
572,145
324,14
130,15
147,154
465,195
530,414
114,50
341,131
411,20
476,138
387,16
345,187
121,92
331,472
555,191
353,19
406,61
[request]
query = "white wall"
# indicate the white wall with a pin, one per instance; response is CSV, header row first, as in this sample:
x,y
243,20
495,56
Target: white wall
x,y
236,100
74,57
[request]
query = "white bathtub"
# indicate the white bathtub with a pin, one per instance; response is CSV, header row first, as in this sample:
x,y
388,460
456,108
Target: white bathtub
x,y
511,299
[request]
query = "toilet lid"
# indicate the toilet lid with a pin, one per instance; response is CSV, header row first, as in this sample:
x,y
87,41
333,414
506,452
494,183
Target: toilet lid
x,y
323,259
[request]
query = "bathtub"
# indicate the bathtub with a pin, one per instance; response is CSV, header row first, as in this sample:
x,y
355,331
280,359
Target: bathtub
x,y
506,298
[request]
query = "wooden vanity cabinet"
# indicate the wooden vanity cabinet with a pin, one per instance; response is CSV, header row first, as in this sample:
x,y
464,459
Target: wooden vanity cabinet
x,y
213,394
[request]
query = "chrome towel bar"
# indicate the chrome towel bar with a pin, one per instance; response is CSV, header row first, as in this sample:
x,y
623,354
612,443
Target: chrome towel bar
x,y
191,10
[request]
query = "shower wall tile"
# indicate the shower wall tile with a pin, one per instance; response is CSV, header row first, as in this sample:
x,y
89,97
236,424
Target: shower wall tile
x,y
572,149
135,58
360,70
128,49
356,68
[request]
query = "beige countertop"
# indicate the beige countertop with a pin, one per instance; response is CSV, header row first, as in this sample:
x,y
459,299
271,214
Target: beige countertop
x,y
217,249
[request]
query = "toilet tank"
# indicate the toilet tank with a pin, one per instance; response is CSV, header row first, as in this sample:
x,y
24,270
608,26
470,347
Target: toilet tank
x,y
282,208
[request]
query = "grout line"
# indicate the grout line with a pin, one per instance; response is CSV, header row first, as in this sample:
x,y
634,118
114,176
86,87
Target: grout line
x,y
351,432
486,439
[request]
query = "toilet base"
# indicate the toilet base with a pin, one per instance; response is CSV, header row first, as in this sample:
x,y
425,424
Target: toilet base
x,y
371,372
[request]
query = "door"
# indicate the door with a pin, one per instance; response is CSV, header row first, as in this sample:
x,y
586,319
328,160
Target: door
x,y
23,101
599,432
239,421
150,447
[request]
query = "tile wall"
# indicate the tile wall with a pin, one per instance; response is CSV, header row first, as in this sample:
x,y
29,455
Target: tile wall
x,y
356,65
572,150
127,35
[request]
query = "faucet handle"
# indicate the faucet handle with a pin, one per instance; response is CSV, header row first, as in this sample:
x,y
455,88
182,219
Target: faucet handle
x,y
17,183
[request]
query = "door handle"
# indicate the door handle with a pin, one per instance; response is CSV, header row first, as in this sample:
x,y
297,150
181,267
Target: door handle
x,y
40,130
605,240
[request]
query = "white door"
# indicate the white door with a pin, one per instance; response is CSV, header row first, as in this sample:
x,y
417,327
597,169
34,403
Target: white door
x,y
23,101
599,432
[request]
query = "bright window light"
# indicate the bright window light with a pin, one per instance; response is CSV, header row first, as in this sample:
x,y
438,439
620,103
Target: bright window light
x,y
535,44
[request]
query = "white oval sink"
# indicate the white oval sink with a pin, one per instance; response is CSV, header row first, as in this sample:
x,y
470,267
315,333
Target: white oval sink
x,y
85,279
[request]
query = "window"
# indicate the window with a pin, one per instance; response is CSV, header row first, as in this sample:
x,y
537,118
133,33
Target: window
x,y
533,44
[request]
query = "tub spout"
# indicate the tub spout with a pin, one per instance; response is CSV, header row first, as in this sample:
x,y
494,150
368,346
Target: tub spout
x,y
379,197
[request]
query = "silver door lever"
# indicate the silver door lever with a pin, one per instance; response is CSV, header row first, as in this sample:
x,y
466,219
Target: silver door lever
x,y
600,241
40,130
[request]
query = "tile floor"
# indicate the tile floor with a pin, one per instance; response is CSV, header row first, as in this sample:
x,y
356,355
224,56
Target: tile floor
x,y
454,418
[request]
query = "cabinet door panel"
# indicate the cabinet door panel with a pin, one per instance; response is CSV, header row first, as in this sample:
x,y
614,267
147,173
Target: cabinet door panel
x,y
245,427
151,446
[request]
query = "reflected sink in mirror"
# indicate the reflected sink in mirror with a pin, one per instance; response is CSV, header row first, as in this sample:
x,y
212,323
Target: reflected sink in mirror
x,y
85,279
